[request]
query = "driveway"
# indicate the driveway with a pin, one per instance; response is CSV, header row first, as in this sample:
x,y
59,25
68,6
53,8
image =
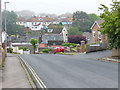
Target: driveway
x,y
78,71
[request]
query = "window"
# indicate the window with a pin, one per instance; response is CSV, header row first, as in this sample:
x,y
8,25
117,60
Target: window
x,y
93,33
50,30
99,35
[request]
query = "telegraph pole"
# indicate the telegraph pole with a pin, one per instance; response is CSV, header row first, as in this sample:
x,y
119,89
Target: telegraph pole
x,y
0,34
0,25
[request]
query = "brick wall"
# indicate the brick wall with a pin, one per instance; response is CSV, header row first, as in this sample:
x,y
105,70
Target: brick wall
x,y
95,29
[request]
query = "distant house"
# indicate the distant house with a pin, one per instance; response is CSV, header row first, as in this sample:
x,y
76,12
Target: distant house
x,y
88,36
21,21
66,21
51,37
60,30
96,34
38,23
55,35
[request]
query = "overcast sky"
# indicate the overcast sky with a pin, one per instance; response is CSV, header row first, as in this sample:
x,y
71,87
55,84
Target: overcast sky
x,y
56,6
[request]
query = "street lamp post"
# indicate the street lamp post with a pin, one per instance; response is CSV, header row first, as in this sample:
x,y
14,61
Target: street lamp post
x,y
5,18
5,26
0,25
0,36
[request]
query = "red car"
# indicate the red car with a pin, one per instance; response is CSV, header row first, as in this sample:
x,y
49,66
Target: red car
x,y
58,49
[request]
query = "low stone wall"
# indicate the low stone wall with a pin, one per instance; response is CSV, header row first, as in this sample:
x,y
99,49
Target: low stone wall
x,y
2,56
116,52
101,46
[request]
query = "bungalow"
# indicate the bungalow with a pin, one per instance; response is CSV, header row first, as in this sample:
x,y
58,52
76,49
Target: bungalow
x,y
96,34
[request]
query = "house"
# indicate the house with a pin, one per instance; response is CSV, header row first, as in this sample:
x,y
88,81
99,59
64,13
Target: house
x,y
88,36
51,38
57,29
38,23
96,34
66,21
21,21
55,35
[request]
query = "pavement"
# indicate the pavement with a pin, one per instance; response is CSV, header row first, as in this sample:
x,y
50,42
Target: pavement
x,y
13,74
77,71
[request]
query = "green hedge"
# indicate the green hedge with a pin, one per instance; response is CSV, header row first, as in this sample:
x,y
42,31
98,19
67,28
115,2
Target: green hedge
x,y
45,50
69,44
24,48
10,50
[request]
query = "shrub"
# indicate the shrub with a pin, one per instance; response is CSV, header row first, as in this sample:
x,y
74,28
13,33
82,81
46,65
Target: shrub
x,y
20,47
76,39
10,50
24,48
69,44
45,50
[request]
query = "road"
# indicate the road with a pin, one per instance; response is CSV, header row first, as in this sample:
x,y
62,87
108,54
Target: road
x,y
78,71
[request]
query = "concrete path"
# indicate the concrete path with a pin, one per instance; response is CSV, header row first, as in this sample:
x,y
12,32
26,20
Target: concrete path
x,y
13,74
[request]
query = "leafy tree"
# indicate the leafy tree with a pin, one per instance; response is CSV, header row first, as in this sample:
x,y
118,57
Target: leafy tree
x,y
74,31
12,27
60,24
84,21
34,42
76,39
93,17
111,24
81,20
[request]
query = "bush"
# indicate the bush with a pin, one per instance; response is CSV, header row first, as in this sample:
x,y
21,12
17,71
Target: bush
x,y
10,50
20,47
24,48
45,50
76,39
69,44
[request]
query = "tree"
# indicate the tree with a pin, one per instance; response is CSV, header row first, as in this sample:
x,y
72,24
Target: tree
x,y
111,24
93,17
12,27
81,20
84,21
76,39
74,31
34,42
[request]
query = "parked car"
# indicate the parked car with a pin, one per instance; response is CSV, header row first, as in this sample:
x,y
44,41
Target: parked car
x,y
58,49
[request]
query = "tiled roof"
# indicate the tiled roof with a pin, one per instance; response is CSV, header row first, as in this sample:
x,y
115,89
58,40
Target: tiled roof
x,y
33,20
40,19
99,22
66,20
21,19
46,38
56,29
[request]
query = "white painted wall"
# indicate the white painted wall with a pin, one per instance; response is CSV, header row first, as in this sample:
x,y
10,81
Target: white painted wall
x,y
65,34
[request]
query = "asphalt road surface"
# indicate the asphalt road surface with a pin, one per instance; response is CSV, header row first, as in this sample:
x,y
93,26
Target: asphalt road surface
x,y
78,71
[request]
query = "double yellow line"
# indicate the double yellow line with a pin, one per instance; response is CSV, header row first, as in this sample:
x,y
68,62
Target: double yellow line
x,y
39,81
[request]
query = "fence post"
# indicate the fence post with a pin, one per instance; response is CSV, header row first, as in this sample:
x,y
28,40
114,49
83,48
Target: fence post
x,y
82,46
78,48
